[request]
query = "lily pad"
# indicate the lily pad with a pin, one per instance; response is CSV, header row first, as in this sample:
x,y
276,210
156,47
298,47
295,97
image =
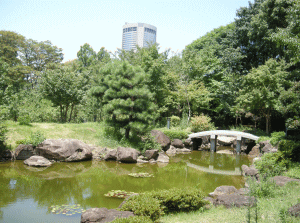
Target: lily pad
x,y
141,175
118,194
66,209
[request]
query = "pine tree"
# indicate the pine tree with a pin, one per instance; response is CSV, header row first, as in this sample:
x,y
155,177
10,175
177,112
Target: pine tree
x,y
128,102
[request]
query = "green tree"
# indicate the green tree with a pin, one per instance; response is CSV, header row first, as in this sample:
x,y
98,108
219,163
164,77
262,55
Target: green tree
x,y
255,26
64,88
128,102
86,55
153,63
261,89
290,105
289,35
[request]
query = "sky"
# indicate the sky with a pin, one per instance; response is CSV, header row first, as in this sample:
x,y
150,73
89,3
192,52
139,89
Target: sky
x,y
70,24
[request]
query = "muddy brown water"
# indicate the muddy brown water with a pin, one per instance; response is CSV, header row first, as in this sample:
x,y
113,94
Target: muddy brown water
x,y
61,192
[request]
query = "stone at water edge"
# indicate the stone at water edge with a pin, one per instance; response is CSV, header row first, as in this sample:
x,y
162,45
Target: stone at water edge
x,y
183,150
37,161
162,158
127,155
99,152
111,155
62,149
171,151
177,143
151,154
100,215
23,152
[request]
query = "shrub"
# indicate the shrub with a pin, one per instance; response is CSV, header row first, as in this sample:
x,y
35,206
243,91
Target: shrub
x,y
290,149
135,219
276,137
144,205
24,120
179,199
175,121
264,188
201,123
3,131
148,142
35,138
263,138
176,134
271,164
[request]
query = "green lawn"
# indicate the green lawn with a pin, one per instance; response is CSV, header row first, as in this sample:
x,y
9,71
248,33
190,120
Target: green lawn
x,y
90,132
269,210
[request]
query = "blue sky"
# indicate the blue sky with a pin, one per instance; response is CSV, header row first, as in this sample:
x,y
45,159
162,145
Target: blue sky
x,y
70,24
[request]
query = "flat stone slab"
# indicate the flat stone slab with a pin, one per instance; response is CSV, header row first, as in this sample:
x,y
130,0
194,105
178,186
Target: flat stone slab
x,y
37,161
100,215
234,200
222,190
283,180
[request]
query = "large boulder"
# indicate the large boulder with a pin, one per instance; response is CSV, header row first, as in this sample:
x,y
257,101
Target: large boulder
x,y
64,150
250,171
111,155
127,155
162,158
100,215
151,154
162,139
295,210
234,200
255,151
37,161
188,142
23,152
177,143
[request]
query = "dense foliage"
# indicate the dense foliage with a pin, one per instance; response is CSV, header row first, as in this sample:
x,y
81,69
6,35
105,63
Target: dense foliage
x,y
246,72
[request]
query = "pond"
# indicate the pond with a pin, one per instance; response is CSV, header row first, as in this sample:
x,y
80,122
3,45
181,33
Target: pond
x,y
61,192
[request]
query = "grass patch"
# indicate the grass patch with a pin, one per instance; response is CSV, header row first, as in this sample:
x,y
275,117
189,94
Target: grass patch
x,y
91,133
269,210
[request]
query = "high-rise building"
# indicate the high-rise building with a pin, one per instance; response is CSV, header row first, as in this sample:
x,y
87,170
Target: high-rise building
x,y
140,34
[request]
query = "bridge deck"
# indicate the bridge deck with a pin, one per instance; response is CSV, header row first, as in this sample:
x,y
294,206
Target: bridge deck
x,y
224,133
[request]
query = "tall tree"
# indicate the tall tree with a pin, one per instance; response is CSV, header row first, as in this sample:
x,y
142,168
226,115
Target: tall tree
x,y
261,89
254,27
86,55
64,88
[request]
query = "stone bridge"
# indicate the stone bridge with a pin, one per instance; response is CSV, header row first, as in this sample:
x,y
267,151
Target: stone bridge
x,y
215,133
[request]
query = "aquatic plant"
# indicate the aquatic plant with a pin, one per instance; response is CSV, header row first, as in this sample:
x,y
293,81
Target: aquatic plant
x,y
118,193
141,175
67,209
